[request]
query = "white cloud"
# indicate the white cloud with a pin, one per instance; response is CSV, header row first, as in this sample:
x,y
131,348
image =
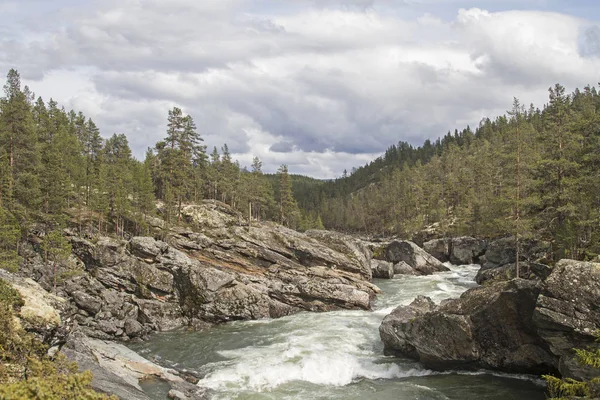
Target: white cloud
x,y
320,85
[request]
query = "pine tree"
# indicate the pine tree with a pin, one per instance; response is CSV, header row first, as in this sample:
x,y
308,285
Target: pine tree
x,y
92,143
117,156
556,175
10,235
289,215
17,137
56,250
143,193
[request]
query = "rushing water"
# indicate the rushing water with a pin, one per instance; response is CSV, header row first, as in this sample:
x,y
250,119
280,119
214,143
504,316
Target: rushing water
x,y
335,355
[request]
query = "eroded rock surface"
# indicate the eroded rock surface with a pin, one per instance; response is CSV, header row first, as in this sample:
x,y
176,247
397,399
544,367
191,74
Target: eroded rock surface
x,y
487,327
567,312
382,269
215,269
118,370
513,325
418,259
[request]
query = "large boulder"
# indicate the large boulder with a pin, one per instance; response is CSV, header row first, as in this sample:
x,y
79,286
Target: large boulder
x,y
466,250
503,251
459,250
350,246
118,370
439,248
421,261
395,328
146,247
567,312
41,311
211,214
402,268
382,269
506,272
487,327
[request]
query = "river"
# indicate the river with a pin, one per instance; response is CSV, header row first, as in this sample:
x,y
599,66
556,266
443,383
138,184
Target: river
x,y
334,355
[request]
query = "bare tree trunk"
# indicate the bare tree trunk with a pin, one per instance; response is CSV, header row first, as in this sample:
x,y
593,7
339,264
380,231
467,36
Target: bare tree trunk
x,y
54,276
518,199
249,214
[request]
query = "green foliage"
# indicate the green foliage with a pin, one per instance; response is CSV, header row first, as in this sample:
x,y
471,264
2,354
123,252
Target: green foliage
x,y
10,234
530,173
26,371
559,389
289,214
379,253
563,389
10,296
56,250
53,386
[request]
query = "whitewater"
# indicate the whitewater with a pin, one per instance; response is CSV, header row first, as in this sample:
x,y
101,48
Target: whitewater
x,y
334,355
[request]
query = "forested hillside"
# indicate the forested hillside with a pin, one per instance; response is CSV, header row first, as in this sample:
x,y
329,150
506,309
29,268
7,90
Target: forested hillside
x,y
530,172
55,167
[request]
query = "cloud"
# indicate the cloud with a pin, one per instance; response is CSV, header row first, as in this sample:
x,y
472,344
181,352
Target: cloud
x,y
321,85
589,41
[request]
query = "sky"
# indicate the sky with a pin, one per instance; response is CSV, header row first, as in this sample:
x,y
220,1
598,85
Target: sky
x,y
319,85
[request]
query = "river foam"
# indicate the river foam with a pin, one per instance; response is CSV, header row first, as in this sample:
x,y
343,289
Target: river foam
x,y
333,355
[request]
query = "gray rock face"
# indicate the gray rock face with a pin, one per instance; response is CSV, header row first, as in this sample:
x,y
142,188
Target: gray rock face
x,y
517,325
382,269
499,260
117,370
567,313
346,244
459,250
395,327
503,251
87,302
214,272
487,327
146,247
421,261
466,250
527,270
402,268
439,248
133,328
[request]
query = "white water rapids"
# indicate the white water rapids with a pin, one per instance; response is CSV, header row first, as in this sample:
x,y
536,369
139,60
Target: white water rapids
x,y
335,355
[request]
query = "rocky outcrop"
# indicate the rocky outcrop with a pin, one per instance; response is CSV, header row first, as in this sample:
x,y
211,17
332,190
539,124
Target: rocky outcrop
x,y
518,325
402,268
419,260
459,250
499,260
466,250
118,370
382,269
567,313
395,328
216,270
527,270
41,311
503,251
439,248
487,327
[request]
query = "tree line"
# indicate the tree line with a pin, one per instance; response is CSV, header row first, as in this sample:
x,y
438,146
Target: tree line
x,y
529,173
57,169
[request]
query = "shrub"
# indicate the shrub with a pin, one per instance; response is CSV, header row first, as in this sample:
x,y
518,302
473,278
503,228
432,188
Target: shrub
x,y
26,370
560,389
